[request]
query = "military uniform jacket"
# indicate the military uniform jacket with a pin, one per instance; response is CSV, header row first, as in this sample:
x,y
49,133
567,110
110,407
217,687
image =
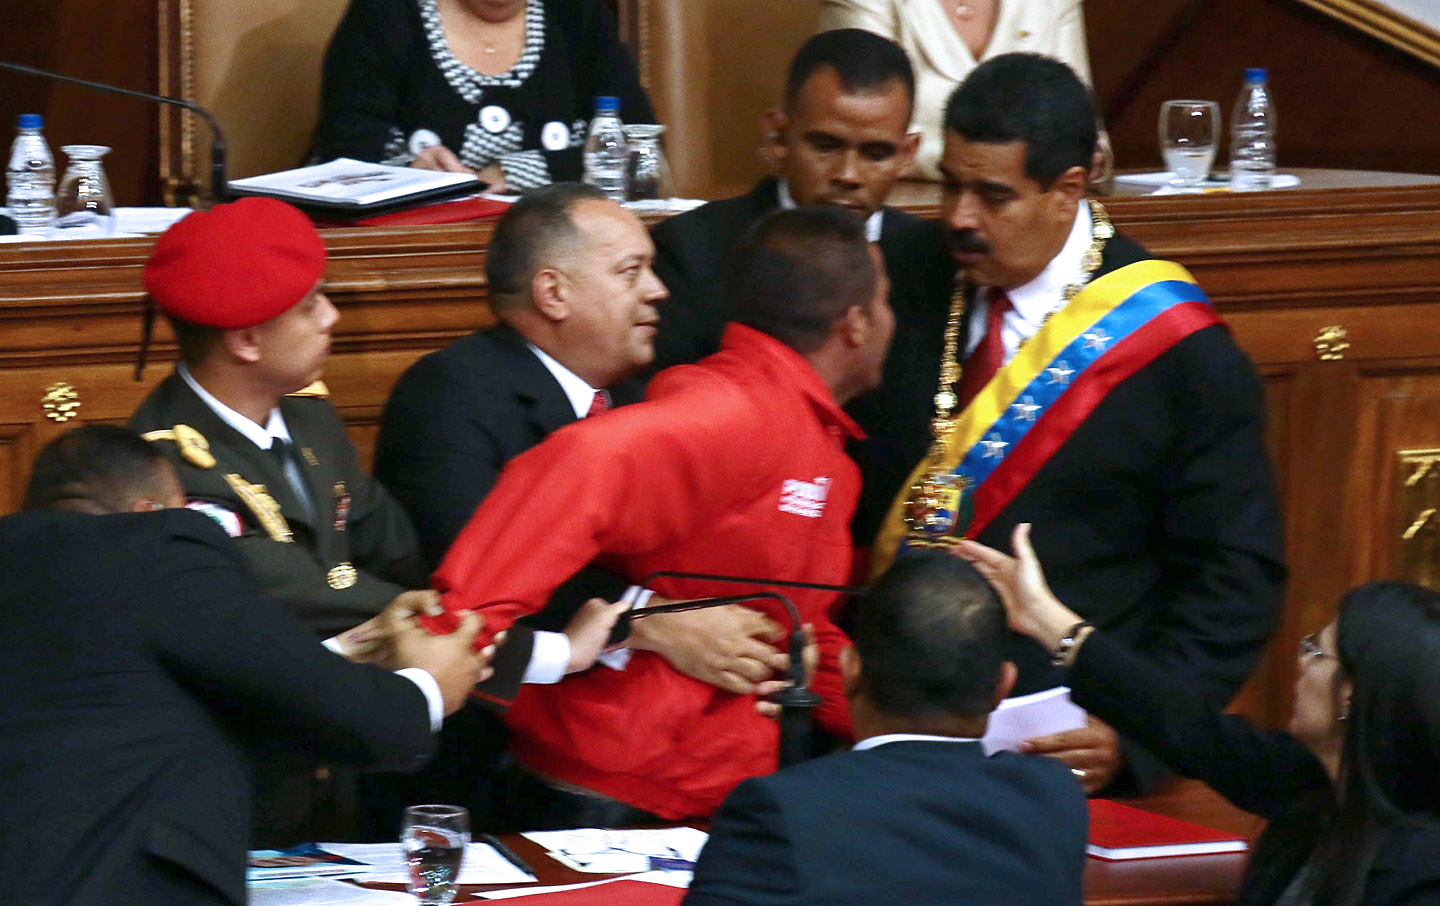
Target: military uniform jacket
x,y
343,563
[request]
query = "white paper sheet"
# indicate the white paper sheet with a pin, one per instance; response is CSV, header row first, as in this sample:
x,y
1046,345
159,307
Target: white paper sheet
x,y
1027,716
321,892
680,879
600,851
482,864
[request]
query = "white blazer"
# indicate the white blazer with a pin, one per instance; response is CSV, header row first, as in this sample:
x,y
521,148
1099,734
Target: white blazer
x,y
1055,28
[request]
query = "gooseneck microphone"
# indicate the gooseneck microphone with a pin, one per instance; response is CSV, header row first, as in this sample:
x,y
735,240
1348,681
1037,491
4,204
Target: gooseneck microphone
x,y
217,138
797,703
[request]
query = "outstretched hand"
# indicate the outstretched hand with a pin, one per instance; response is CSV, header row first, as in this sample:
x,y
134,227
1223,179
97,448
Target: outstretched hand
x,y
1030,606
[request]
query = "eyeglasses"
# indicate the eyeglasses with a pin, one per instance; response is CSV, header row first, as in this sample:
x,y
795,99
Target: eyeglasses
x,y
1310,649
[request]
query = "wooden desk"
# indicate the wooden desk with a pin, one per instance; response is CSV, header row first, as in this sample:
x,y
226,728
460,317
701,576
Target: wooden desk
x,y
1334,293
1182,881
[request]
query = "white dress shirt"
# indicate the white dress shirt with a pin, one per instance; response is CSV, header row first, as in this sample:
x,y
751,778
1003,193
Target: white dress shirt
x,y
1032,302
873,224
264,438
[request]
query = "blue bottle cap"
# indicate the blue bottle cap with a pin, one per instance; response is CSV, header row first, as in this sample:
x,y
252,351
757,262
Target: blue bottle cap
x,y
1256,74
607,103
31,121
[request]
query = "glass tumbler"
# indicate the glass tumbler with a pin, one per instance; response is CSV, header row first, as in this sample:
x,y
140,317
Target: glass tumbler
x,y
84,199
1189,135
648,175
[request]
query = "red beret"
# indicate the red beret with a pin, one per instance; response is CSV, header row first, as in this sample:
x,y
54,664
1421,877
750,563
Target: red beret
x,y
235,265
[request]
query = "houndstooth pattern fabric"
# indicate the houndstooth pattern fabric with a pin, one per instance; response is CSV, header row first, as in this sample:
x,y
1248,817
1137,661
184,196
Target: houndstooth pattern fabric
x,y
468,83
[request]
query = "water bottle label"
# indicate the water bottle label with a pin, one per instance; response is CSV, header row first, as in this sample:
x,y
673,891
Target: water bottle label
x,y
555,136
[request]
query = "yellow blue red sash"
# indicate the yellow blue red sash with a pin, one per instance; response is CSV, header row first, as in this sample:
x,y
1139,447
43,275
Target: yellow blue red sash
x,y
1115,326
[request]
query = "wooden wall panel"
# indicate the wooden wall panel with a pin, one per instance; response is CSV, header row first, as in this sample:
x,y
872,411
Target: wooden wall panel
x,y
1345,99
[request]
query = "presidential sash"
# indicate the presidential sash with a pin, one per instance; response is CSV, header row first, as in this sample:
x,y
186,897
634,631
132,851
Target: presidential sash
x,y
1112,328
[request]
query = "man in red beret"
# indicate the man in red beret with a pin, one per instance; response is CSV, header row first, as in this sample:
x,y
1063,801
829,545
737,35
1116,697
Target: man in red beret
x,y
257,446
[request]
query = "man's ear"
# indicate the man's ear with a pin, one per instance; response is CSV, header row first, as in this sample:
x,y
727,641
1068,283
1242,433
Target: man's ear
x,y
855,326
242,343
773,124
850,670
909,147
550,294
1008,674
1069,189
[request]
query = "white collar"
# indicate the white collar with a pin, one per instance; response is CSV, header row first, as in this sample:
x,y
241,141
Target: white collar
x,y
871,742
873,223
1036,299
580,394
260,437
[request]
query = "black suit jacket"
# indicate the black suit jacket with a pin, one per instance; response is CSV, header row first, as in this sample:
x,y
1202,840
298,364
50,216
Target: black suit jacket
x,y
691,253
1157,519
354,520
908,822
140,661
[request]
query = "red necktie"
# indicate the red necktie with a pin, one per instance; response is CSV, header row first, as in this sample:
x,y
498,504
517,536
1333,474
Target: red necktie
x,y
600,402
988,356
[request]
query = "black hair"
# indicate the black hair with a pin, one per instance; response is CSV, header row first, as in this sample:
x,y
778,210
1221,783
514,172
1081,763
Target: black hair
x,y
931,637
95,469
536,225
864,61
798,271
194,340
1029,98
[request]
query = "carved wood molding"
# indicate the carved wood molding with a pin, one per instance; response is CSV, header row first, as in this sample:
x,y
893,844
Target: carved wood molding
x,y
1381,21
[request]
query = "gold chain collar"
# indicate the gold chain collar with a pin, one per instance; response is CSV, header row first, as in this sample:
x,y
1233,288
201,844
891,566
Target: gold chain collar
x,y
1101,230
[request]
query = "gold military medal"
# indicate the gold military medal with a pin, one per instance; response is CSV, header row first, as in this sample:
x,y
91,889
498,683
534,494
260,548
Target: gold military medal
x,y
341,576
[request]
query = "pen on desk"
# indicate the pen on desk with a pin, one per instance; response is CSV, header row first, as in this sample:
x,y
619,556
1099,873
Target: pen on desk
x,y
508,854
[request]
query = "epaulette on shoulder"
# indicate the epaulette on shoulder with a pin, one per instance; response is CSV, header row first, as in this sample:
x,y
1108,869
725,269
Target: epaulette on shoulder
x,y
193,446
317,390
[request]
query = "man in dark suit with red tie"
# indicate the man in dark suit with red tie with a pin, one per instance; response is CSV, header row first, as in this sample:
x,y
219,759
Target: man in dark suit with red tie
x,y
1048,370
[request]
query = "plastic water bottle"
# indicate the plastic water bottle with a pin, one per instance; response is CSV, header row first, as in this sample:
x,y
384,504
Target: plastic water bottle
x,y
606,153
30,179
1252,136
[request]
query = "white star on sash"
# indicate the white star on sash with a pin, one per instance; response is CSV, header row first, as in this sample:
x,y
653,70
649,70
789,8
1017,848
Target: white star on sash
x,y
1060,373
1097,340
1025,409
994,447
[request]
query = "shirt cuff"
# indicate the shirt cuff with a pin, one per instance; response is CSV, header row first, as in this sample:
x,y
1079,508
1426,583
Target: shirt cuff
x,y
637,597
333,644
549,658
434,701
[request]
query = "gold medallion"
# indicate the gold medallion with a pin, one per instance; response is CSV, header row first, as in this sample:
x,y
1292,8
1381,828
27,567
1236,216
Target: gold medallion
x,y
342,576
938,509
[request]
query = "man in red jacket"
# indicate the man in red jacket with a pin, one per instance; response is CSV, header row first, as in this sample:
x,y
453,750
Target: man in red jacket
x,y
734,465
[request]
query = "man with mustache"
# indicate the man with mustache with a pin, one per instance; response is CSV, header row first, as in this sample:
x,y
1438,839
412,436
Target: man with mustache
x,y
1047,370
841,138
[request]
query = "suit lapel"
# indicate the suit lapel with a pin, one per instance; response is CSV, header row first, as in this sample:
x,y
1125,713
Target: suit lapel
x,y
539,395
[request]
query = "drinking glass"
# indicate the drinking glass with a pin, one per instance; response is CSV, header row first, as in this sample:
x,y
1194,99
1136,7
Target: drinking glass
x,y
434,837
1189,133
648,175
84,197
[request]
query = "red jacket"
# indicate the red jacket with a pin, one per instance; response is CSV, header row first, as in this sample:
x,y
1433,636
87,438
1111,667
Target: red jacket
x,y
734,465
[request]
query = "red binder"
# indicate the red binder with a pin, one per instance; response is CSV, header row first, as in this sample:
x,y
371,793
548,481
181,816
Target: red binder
x,y
1120,832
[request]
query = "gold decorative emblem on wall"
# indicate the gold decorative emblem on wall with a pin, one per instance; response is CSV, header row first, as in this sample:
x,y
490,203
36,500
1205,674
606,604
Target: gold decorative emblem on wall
x,y
1331,343
60,402
1418,557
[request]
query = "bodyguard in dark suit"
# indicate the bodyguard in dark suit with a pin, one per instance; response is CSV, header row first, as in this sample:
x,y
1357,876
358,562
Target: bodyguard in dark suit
x,y
917,813
142,663
840,139
1137,445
